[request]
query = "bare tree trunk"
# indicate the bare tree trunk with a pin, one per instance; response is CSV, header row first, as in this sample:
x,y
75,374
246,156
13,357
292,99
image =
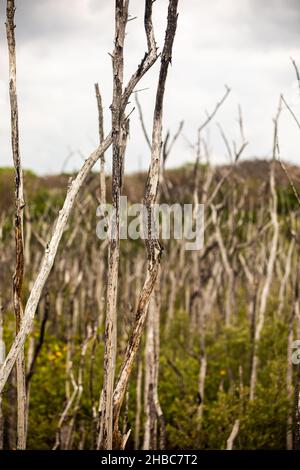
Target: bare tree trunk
x,y
201,384
138,406
152,244
119,135
266,287
233,435
283,284
161,442
154,424
19,206
289,371
171,302
227,267
263,302
30,354
121,16
270,267
28,234
12,415
150,427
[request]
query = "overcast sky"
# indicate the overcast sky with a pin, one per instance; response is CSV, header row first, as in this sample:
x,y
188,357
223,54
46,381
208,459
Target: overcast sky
x,y
62,50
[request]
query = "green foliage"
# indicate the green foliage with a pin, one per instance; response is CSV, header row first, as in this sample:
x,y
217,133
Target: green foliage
x,y
47,395
262,421
287,200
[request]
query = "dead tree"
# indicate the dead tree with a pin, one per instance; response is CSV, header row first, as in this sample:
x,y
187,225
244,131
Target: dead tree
x,y
270,266
137,425
152,244
233,435
74,188
19,206
154,428
119,133
285,277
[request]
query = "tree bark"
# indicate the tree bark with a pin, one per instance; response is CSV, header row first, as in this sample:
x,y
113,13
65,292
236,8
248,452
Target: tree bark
x,y
153,246
270,268
119,137
19,206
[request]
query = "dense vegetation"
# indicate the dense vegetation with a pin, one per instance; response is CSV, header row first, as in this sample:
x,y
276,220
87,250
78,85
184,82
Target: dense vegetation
x,y
193,309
